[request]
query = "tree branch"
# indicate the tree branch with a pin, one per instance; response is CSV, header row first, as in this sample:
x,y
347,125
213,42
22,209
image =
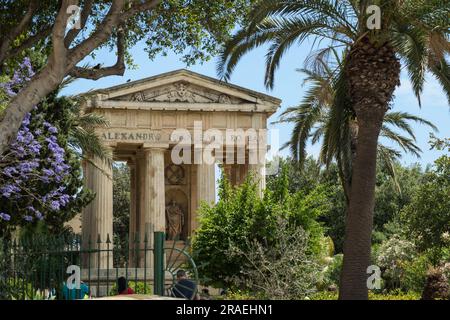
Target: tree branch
x,y
139,6
57,58
72,34
100,35
28,43
117,69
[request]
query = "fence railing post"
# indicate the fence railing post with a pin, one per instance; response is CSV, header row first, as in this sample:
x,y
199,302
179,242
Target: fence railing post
x,y
158,263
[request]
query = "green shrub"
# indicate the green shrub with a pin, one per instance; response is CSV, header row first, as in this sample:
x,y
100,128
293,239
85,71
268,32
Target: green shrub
x,y
415,274
395,295
325,295
241,295
241,217
282,271
332,272
393,256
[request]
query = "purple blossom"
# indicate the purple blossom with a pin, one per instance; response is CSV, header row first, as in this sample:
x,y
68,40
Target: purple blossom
x,y
48,172
55,205
5,216
64,200
31,167
9,171
8,190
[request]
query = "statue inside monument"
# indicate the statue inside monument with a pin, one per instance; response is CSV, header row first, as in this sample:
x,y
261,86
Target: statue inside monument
x,y
174,220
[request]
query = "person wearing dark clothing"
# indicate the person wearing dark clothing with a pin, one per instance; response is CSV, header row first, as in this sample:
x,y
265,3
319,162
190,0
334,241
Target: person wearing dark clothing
x,y
184,288
122,287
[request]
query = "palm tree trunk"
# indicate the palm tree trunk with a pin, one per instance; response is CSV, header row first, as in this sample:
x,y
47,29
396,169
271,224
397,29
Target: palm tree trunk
x,y
373,73
359,221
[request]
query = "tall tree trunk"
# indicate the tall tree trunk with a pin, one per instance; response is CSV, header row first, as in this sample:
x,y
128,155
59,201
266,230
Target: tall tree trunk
x,y
373,73
359,221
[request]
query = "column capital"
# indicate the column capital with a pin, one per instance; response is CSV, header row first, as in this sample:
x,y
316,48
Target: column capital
x,y
163,146
147,150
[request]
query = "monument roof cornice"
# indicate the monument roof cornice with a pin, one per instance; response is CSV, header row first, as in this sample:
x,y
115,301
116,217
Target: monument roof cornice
x,y
136,93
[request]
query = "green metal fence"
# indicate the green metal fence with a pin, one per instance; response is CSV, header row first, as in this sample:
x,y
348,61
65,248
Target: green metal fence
x,y
37,268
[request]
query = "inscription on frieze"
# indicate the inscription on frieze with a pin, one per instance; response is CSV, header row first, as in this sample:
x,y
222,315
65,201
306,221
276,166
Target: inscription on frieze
x,y
145,136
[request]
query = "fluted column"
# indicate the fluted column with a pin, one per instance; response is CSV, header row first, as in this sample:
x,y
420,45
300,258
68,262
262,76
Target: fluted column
x,y
98,215
133,212
153,195
155,189
259,173
206,183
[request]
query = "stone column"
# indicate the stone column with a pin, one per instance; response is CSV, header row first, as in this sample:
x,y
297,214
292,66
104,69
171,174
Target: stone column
x,y
98,215
153,196
257,167
259,173
206,183
141,169
133,212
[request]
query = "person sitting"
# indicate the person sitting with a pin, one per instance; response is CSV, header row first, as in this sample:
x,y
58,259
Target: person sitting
x,y
122,287
75,294
184,288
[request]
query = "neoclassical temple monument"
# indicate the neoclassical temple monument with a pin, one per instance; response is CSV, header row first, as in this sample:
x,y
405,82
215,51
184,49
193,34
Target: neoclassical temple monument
x,y
146,118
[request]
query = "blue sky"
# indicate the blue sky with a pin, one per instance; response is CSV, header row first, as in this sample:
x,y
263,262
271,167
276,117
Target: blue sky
x,y
288,87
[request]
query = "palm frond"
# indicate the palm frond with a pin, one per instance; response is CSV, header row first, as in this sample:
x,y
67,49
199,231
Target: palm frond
x,y
405,143
411,45
400,120
387,158
441,70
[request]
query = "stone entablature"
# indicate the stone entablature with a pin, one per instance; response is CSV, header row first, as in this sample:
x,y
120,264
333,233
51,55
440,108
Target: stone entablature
x,y
183,90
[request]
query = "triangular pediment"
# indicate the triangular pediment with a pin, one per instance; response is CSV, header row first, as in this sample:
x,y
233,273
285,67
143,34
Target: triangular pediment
x,y
181,91
182,87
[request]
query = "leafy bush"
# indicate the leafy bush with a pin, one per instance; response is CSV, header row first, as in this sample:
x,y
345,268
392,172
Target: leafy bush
x,y
283,270
436,285
241,295
428,214
242,217
415,274
393,255
332,272
395,295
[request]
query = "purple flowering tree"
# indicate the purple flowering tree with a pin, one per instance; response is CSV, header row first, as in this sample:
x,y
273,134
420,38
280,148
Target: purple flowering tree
x,y
40,177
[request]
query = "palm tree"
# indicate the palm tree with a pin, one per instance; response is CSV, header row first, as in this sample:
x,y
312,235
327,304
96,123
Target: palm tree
x,y
313,118
83,137
412,33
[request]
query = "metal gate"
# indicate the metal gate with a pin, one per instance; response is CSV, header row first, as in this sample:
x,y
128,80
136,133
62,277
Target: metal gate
x,y
66,268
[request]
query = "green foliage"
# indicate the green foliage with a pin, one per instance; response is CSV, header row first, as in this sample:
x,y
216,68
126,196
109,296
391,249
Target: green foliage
x,y
332,273
427,216
241,216
389,199
392,257
241,295
121,203
415,274
194,29
281,270
313,178
396,295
